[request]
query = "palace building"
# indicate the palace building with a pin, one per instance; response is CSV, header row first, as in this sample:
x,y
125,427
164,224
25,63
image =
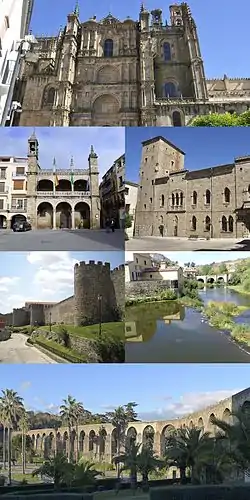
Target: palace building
x,y
113,72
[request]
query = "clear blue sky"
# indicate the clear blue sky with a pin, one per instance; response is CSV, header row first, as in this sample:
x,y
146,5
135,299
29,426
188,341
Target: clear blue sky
x,y
204,146
216,20
200,258
161,391
43,276
64,142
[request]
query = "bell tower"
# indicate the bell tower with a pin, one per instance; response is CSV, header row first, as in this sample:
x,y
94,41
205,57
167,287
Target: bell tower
x,y
94,189
32,173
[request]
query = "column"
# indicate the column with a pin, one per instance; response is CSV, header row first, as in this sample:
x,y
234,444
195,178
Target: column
x,y
73,219
54,218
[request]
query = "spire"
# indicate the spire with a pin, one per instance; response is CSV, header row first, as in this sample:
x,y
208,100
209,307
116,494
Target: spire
x,y
33,135
54,164
142,7
92,152
72,163
77,9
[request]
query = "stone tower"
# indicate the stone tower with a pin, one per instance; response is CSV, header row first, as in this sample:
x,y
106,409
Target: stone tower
x,y
94,189
32,173
95,299
160,159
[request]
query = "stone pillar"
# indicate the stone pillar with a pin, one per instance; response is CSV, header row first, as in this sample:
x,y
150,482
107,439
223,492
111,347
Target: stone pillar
x,y
73,219
108,455
54,218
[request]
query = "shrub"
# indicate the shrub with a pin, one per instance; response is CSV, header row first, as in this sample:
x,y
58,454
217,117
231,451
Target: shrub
x,y
71,357
110,349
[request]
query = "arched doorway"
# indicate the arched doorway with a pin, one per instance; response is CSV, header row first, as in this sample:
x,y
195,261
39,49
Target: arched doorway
x,y
3,222
64,216
102,442
17,218
177,119
82,215
45,216
45,185
105,110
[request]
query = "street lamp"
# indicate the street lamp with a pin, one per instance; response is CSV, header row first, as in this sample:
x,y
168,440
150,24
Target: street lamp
x,y
50,321
100,314
12,107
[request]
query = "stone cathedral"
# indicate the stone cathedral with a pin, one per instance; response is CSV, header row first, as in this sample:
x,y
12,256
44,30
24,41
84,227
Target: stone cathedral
x,y
123,73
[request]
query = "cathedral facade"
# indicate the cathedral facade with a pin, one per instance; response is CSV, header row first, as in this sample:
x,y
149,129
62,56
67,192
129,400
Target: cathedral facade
x,y
61,198
208,203
123,73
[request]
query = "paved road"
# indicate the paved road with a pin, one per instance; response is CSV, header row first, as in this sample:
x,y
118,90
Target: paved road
x,y
65,239
153,244
15,351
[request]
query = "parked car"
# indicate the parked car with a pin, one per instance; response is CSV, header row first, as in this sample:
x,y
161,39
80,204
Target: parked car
x,y
21,226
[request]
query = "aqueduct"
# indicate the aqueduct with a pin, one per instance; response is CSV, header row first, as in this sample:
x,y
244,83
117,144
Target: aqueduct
x,y
98,442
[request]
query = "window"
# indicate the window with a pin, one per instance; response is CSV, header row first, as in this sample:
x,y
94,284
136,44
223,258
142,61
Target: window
x,y
177,119
19,204
1,204
194,198
145,262
18,185
227,195
162,200
146,160
224,223
120,181
230,224
167,51
181,199
108,48
2,187
20,171
170,90
208,197
193,223
177,199
207,223
127,208
2,173
51,96
126,191
173,199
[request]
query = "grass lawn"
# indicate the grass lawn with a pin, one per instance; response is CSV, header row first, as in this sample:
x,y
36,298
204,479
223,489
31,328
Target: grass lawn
x,y
91,332
28,477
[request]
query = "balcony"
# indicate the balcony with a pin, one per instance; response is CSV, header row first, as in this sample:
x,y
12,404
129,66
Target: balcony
x,y
19,210
63,194
15,175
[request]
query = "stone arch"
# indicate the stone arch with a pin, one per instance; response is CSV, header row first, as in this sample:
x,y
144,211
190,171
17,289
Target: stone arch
x,y
45,215
102,441
227,416
200,424
82,215
230,224
64,185
59,442
162,200
210,280
224,223
227,195
114,442
131,436
171,89
194,198
49,444
45,185
173,199
191,424
106,104
201,280
193,223
17,218
81,185
166,433
92,437
207,223
107,74
64,215
208,197
38,442
212,427
220,279
148,436
108,48
49,97
166,51
3,221
177,119
81,441
73,438
33,441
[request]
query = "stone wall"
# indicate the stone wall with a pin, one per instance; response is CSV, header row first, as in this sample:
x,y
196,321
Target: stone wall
x,y
63,312
7,318
36,312
118,279
21,317
134,288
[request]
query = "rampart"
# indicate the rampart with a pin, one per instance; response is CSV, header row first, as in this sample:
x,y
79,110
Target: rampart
x,y
63,312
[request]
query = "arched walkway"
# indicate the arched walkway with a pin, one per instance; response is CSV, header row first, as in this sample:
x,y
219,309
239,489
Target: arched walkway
x,y
45,185
82,215
45,216
81,185
166,433
17,218
64,216
148,436
64,185
131,436
3,222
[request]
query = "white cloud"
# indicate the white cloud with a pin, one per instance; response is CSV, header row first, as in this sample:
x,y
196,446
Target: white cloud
x,y
55,273
25,385
188,403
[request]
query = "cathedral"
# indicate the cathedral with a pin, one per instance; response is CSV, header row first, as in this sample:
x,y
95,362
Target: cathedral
x,y
123,73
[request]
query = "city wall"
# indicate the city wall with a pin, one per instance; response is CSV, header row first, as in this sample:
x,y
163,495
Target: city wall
x,y
63,312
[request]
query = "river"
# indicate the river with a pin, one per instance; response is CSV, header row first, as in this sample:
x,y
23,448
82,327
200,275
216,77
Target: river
x,y
167,332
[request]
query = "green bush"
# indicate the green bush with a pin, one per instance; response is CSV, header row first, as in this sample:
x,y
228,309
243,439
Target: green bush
x,y
60,351
110,349
206,492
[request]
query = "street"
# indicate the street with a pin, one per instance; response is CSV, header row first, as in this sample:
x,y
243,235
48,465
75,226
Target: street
x,y
15,351
63,240
157,243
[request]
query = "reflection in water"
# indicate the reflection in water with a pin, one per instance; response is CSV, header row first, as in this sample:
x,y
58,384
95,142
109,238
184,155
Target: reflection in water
x,y
169,332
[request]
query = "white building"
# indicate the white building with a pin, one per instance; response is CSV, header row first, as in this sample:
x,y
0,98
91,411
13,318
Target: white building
x,y
144,268
131,190
13,190
15,16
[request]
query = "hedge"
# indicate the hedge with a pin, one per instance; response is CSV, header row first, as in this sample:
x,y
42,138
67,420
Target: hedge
x,y
204,492
60,352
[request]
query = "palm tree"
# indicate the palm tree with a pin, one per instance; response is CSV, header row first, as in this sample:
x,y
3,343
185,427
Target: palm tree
x,y
148,462
185,448
11,406
71,411
4,424
119,420
129,460
57,468
23,425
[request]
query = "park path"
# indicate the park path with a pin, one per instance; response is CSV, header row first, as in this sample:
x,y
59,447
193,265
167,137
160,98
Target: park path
x,y
15,350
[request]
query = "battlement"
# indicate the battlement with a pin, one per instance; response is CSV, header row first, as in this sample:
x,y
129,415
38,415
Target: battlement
x,y
119,268
92,263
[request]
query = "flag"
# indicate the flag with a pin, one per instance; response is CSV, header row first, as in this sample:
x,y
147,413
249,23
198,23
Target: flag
x,y
56,181
72,178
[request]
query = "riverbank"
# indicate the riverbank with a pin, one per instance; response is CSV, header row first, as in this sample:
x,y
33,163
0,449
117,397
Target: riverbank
x,y
166,296
238,289
221,315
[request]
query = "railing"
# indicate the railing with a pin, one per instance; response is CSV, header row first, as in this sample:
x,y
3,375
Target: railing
x,y
18,175
62,194
19,210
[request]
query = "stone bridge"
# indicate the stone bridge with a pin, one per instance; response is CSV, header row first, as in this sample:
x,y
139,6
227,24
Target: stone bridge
x,y
98,442
214,278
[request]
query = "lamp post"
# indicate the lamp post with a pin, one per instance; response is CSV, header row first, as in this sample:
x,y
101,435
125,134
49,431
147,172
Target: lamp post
x,y
50,321
100,314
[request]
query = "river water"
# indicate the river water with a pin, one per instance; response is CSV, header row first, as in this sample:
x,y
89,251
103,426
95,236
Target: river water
x,y
170,333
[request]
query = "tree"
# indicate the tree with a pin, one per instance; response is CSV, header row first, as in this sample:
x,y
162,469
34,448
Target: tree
x,y
223,268
128,220
71,411
222,120
23,425
11,406
57,468
3,420
206,269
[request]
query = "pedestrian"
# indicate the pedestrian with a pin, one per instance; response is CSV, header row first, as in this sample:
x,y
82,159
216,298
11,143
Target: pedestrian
x,y
112,225
161,229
